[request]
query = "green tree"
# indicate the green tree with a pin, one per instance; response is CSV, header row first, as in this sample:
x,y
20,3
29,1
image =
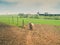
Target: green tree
x,y
36,16
21,15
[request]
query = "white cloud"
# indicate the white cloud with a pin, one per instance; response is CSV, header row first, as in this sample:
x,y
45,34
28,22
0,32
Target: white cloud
x,y
11,0
46,3
35,5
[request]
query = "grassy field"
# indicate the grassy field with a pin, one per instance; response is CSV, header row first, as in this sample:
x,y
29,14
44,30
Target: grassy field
x,y
14,21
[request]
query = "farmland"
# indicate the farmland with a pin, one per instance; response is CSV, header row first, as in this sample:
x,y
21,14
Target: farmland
x,y
45,31
42,34
17,21
29,22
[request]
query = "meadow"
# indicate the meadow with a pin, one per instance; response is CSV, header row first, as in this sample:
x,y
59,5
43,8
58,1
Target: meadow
x,y
17,21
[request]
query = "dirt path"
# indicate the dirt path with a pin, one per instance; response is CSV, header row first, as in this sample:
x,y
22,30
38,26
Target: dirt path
x,y
29,38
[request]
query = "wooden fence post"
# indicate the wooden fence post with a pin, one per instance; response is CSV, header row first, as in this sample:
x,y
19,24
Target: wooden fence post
x,y
17,20
23,23
12,20
9,19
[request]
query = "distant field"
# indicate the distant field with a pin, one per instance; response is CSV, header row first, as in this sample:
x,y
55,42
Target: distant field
x,y
14,21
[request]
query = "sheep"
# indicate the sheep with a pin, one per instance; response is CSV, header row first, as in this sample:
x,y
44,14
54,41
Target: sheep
x,y
31,25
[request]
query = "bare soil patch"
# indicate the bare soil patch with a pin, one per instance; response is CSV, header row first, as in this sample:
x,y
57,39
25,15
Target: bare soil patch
x,y
40,35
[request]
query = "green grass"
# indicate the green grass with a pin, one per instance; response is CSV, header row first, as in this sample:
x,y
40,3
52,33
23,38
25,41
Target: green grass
x,y
8,20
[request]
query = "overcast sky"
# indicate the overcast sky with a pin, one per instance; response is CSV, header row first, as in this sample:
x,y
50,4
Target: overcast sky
x,y
29,6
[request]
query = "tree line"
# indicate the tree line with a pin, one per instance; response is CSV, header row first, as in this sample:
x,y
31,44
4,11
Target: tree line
x,y
38,16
